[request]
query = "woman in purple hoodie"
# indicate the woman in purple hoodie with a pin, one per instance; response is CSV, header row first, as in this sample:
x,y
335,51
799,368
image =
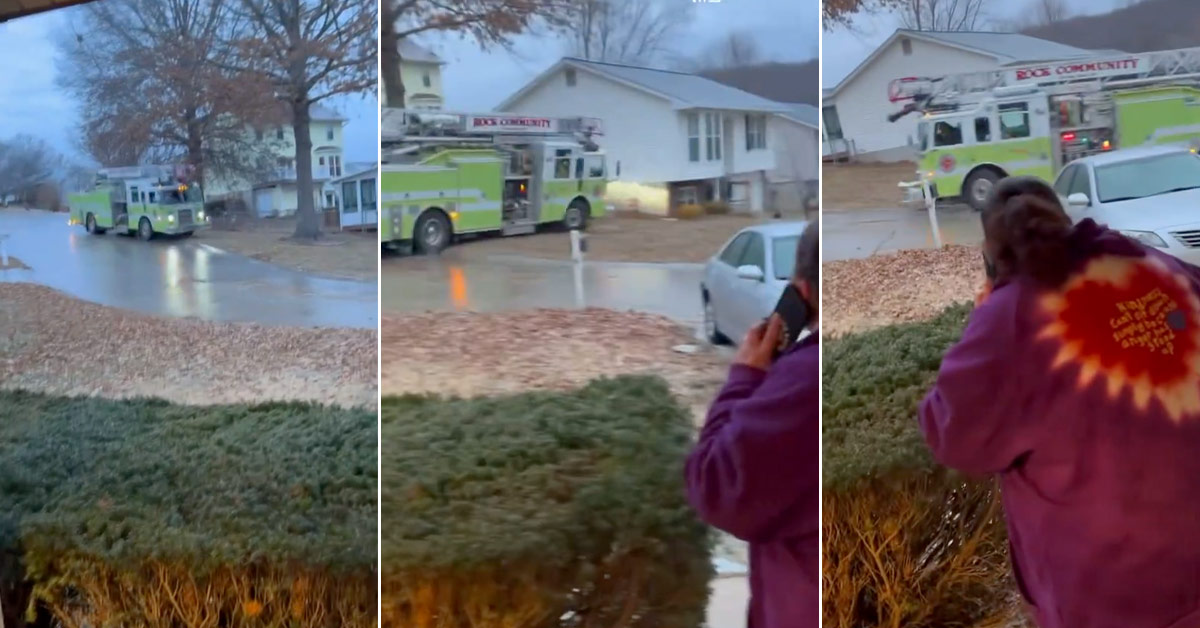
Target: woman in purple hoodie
x,y
1077,381
755,471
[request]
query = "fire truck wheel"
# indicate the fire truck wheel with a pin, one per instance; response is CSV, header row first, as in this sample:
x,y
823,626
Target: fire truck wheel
x,y
90,225
145,232
576,216
432,233
978,186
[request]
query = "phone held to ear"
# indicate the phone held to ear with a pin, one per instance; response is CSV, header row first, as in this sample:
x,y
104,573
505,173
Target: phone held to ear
x,y
793,311
989,268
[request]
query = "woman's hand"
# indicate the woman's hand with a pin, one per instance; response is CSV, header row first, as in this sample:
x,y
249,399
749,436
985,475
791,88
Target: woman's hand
x,y
758,348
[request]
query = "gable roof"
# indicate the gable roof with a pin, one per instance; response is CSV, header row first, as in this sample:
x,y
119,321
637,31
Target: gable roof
x,y
321,112
412,51
777,81
681,89
807,115
1005,48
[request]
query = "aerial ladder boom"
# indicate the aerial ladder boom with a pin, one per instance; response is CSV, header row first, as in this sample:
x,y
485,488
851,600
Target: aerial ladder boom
x,y
1055,77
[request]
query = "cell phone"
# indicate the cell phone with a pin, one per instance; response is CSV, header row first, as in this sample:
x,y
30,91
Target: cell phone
x,y
794,312
989,267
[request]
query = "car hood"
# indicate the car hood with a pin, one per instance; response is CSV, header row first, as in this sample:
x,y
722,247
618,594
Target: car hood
x,y
1155,212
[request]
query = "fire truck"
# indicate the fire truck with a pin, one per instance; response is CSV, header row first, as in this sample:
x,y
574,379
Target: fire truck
x,y
976,128
446,175
141,200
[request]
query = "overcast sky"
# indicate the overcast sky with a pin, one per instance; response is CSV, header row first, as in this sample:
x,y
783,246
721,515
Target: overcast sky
x,y
477,80
31,103
844,48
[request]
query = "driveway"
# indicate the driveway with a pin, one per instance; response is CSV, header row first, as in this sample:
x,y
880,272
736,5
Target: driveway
x,y
177,277
860,233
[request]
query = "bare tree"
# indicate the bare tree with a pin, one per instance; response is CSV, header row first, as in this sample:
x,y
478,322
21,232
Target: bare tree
x,y
488,22
943,15
25,163
734,50
1040,13
307,51
625,31
149,73
835,13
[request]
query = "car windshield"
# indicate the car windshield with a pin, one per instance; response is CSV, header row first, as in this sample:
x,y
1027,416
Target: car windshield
x,y
1151,176
783,256
181,194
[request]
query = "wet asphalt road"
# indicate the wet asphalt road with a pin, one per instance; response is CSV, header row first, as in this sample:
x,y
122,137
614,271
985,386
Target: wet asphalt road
x,y
177,277
856,234
459,281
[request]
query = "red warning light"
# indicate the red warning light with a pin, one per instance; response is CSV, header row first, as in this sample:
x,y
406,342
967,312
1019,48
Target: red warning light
x,y
1068,137
1107,145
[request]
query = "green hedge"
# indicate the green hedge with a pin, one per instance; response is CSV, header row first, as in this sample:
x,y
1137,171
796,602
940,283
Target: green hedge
x,y
905,542
551,503
126,484
872,384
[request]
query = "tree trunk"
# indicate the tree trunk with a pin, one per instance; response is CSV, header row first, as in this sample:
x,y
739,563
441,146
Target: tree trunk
x,y
393,80
308,225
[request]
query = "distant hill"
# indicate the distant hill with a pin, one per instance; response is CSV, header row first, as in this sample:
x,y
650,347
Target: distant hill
x,y
781,82
1150,25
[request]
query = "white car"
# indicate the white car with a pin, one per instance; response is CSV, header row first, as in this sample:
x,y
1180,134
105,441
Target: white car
x,y
743,282
1150,194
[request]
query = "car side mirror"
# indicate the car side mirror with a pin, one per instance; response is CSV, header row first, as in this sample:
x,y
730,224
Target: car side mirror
x,y
750,273
1079,199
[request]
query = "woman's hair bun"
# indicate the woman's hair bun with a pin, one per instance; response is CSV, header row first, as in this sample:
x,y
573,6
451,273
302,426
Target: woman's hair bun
x,y
1026,221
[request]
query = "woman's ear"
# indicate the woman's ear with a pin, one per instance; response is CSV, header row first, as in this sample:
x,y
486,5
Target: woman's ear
x,y
805,289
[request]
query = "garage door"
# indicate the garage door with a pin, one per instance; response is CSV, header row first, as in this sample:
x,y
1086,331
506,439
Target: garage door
x,y
262,201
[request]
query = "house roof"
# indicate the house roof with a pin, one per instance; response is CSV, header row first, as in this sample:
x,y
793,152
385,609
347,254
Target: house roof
x,y
412,51
1005,48
323,113
807,115
780,82
681,89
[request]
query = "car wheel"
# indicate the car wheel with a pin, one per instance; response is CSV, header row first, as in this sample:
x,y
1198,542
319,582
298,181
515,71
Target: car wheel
x,y
145,232
711,331
978,186
432,233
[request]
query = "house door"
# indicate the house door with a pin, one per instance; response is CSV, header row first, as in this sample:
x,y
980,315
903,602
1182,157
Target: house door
x,y
262,201
351,216
370,211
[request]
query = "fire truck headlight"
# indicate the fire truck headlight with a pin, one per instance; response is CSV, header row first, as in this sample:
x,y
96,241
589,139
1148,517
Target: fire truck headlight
x,y
1149,238
200,215
170,217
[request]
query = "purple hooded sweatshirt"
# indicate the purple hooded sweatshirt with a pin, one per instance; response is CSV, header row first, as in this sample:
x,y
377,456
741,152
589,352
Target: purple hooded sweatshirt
x,y
755,473
1086,401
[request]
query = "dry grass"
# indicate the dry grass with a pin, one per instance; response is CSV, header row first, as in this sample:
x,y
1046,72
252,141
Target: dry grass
x,y
626,237
53,343
864,186
906,286
343,254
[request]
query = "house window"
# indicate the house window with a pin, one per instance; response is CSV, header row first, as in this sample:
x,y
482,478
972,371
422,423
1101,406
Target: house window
x,y
570,75
335,165
693,129
321,161
756,132
712,136
368,195
329,132
947,134
831,122
906,46
1014,121
279,133
349,197
426,79
687,195
330,200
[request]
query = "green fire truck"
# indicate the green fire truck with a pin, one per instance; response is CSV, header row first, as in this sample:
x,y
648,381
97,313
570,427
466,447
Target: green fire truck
x,y
979,127
446,175
141,200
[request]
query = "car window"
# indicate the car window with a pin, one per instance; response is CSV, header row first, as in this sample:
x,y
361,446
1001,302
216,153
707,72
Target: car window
x,y
1082,183
1062,186
733,252
947,134
783,256
1149,176
755,253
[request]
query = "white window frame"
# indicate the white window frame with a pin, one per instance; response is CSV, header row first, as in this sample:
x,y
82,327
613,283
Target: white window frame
x,y
756,132
712,135
693,133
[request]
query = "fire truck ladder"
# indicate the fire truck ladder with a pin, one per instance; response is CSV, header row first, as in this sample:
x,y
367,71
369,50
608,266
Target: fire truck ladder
x,y
1094,74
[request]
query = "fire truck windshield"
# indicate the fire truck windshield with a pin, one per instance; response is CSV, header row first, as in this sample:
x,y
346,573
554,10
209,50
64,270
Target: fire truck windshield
x,y
181,194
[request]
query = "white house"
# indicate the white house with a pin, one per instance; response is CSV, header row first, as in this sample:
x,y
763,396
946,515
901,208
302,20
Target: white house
x,y
356,197
274,194
421,72
856,109
671,137
797,157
